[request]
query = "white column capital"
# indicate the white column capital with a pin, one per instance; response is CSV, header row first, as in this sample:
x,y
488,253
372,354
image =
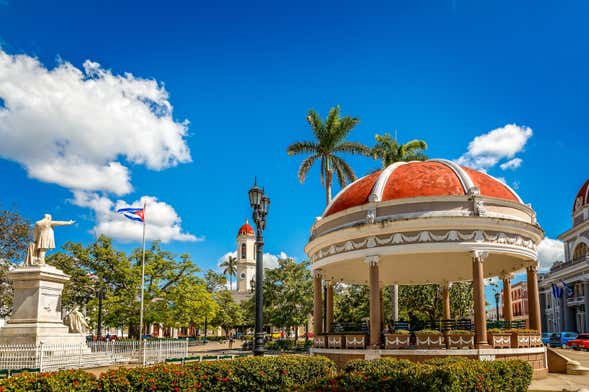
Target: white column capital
x,y
317,273
479,256
532,268
505,276
371,260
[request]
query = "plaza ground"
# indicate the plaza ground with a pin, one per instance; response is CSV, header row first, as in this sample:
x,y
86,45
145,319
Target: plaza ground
x,y
565,382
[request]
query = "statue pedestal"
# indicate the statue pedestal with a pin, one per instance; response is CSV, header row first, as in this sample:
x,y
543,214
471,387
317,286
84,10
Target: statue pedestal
x,y
36,317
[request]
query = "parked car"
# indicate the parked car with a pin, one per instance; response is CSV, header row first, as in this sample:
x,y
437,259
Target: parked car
x,y
580,343
546,337
560,339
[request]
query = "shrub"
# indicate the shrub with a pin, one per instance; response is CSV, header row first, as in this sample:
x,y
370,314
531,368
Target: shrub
x,y
428,332
402,332
442,374
63,381
381,365
459,332
277,373
496,330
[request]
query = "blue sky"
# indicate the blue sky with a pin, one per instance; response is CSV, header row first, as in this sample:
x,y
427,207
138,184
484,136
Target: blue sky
x,y
244,75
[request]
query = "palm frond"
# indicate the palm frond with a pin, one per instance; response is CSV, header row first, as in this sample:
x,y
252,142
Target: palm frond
x,y
413,145
344,171
302,147
332,119
353,148
304,168
316,124
345,126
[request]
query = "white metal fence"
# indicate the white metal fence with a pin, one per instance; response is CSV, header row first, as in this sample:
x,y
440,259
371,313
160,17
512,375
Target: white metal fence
x,y
50,357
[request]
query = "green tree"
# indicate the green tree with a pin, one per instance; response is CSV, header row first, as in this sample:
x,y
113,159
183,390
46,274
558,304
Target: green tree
x,y
329,142
229,266
99,267
214,283
288,294
229,314
461,303
425,301
351,303
15,234
191,303
388,150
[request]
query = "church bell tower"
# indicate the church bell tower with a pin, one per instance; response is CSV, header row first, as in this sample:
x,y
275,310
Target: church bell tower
x,y
246,258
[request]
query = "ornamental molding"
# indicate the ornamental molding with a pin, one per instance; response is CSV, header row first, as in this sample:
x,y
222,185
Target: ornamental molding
x,y
479,256
371,260
425,237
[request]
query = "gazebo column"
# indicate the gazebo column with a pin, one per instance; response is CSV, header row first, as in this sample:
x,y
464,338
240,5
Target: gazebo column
x,y
507,306
374,286
478,285
446,314
533,298
317,303
395,303
329,321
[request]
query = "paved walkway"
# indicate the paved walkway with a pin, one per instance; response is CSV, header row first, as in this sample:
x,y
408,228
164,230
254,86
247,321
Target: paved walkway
x,y
565,382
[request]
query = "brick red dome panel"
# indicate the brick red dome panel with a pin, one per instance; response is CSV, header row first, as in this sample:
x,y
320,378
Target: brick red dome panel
x,y
582,198
245,229
420,179
489,186
355,195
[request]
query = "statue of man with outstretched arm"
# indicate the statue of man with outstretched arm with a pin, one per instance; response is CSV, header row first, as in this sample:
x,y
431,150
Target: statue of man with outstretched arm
x,y
44,239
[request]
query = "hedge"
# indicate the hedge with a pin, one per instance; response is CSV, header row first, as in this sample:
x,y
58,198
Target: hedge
x,y
62,381
290,373
443,375
271,373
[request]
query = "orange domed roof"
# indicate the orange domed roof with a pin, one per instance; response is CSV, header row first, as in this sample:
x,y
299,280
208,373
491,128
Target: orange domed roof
x,y
436,177
245,229
582,198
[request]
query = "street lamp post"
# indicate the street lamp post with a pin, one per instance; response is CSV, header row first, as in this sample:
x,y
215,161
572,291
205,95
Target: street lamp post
x,y
497,295
259,203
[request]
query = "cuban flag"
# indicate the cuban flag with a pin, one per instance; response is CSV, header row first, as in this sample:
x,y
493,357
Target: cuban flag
x,y
569,290
556,291
135,214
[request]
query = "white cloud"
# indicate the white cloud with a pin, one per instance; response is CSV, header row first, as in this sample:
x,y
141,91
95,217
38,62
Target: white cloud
x,y
77,127
511,164
486,150
162,221
550,251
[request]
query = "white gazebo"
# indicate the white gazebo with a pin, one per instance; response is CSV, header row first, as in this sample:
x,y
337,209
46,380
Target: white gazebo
x,y
424,222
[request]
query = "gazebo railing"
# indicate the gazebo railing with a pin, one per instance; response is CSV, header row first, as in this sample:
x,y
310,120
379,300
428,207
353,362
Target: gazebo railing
x,y
503,324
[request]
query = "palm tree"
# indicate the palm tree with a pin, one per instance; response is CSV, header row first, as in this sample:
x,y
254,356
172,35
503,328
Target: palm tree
x,y
329,141
388,150
229,266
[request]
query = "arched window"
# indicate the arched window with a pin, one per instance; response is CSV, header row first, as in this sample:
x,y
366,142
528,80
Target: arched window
x,y
243,251
580,251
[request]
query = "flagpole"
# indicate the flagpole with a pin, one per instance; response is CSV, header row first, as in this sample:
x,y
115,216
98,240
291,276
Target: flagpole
x,y
142,286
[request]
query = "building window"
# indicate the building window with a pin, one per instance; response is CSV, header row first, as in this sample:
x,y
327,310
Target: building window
x,y
243,251
580,251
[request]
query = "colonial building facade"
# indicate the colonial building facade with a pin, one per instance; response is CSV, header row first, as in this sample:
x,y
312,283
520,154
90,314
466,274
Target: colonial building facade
x,y
565,289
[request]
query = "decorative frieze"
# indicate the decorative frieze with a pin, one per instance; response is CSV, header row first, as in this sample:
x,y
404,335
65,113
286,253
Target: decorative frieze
x,y
424,237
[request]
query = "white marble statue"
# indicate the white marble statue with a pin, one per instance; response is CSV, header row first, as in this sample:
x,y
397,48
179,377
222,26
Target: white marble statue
x,y
43,239
76,321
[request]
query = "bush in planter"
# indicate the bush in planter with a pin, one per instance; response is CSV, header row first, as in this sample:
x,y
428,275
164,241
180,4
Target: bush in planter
x,y
428,332
63,381
401,332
